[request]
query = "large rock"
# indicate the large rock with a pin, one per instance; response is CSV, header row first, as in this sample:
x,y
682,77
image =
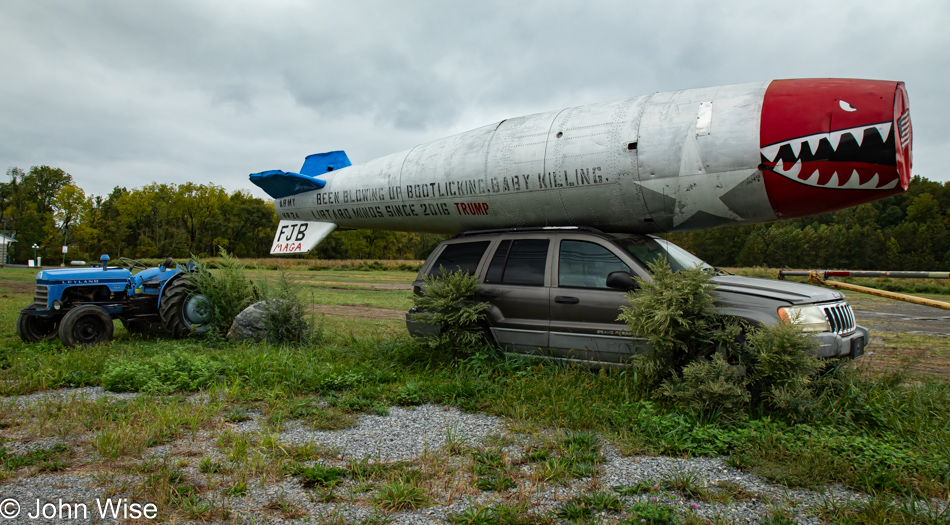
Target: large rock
x,y
250,323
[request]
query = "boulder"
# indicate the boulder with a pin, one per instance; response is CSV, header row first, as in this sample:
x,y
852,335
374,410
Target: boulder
x,y
250,323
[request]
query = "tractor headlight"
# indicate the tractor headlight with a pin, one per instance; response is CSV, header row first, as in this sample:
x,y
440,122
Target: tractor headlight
x,y
57,305
809,317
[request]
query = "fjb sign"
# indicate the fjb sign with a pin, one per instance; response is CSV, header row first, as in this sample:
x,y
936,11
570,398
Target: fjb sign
x,y
299,236
289,238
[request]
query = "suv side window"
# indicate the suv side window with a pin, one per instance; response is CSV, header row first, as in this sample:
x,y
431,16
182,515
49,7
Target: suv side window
x,y
463,256
584,264
519,262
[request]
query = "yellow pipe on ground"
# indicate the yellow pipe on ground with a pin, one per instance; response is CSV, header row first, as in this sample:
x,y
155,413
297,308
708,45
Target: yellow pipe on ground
x,y
815,278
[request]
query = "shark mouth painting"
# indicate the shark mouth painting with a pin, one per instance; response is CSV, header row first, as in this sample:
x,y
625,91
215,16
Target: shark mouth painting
x,y
830,144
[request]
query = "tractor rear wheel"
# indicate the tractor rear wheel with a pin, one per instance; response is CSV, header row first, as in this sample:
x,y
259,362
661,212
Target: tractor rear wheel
x,y
86,325
183,311
36,328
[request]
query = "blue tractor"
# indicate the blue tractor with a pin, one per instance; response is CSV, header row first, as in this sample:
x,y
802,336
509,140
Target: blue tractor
x,y
78,305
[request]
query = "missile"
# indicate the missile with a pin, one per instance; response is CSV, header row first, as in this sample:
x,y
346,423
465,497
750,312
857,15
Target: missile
x,y
683,160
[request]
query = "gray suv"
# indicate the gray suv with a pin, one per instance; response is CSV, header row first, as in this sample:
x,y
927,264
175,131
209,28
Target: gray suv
x,y
557,292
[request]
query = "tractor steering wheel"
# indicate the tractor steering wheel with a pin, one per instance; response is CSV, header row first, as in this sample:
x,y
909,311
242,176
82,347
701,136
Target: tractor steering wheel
x,y
132,263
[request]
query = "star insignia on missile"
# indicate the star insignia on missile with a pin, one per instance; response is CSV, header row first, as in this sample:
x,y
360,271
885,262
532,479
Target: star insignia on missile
x,y
689,191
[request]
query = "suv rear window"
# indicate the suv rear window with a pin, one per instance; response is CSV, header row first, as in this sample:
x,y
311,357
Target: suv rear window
x,y
519,262
462,256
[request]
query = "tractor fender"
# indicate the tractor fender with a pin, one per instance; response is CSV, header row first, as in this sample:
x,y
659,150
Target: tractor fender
x,y
161,291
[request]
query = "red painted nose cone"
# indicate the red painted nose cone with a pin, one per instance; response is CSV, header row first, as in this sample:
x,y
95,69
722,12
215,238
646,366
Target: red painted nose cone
x,y
828,144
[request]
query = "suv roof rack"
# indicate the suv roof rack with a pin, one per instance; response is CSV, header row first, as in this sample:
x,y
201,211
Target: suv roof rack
x,y
529,229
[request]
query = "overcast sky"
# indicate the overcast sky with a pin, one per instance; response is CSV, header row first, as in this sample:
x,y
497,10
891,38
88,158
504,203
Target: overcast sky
x,y
128,93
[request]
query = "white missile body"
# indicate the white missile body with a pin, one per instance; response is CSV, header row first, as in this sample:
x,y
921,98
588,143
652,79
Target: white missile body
x,y
664,162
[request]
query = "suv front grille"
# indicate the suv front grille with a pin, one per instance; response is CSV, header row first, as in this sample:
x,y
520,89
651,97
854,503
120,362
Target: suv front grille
x,y
41,297
840,317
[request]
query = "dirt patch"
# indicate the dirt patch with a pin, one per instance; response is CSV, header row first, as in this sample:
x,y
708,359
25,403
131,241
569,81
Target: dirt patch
x,y
16,288
386,286
910,338
911,354
363,312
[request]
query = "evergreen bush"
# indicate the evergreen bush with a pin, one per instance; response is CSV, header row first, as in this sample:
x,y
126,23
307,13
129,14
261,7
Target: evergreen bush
x,y
716,364
448,300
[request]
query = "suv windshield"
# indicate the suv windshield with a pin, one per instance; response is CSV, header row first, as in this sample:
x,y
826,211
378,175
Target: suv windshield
x,y
647,250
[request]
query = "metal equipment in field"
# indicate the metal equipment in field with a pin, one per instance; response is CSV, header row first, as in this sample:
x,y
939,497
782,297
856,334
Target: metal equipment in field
x,y
78,305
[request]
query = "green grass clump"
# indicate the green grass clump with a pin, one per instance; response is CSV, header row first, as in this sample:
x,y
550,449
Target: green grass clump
x,y
27,459
320,475
161,374
499,515
583,507
400,495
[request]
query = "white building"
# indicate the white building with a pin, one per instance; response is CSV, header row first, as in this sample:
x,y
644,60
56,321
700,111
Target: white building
x,y
5,242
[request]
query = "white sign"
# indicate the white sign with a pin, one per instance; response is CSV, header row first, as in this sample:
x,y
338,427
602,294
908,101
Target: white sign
x,y
295,237
65,249
31,263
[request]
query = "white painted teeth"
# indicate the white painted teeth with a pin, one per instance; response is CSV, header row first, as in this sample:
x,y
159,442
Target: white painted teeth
x,y
883,129
790,173
771,152
833,138
813,143
852,183
796,147
833,181
847,181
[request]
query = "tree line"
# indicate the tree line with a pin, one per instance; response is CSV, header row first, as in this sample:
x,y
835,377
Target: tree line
x,y
908,231
45,207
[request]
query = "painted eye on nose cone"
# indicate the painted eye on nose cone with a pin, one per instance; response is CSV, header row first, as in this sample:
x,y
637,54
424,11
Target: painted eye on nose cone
x,y
845,105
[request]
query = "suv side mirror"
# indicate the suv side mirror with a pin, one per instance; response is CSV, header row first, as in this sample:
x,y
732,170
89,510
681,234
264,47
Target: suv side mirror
x,y
621,281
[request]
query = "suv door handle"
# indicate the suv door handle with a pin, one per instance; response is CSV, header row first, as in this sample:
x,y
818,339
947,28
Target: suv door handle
x,y
566,300
487,295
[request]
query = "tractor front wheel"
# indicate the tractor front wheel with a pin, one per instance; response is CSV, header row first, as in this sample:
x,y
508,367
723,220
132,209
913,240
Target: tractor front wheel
x,y
36,328
183,311
85,325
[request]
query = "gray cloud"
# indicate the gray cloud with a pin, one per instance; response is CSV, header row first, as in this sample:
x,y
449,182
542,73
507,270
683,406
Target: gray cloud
x,y
126,93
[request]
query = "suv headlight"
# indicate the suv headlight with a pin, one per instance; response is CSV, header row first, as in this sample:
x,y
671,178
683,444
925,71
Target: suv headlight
x,y
809,317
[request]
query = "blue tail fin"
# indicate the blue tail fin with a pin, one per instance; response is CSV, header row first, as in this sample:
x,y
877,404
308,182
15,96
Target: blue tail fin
x,y
279,183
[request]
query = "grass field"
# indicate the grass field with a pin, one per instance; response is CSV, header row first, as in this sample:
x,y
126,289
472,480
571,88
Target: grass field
x,y
885,435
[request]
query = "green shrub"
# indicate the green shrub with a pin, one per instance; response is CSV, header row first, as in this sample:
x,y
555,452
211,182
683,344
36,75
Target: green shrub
x,y
162,374
227,291
448,301
285,313
675,313
708,385
700,360
782,367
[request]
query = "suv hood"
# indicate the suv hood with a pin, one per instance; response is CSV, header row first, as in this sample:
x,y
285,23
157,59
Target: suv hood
x,y
788,291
